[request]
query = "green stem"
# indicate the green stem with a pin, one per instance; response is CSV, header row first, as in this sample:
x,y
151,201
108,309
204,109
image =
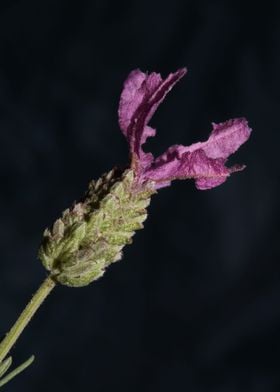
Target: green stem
x,y
15,372
37,300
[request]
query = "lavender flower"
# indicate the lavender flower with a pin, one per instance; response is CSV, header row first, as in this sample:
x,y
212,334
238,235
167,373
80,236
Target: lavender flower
x,y
202,161
91,235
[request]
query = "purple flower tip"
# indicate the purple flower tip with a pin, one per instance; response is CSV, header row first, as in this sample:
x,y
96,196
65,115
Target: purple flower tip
x,y
202,161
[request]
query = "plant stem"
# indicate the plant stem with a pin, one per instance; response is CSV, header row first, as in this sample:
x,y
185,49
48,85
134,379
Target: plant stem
x,y
31,308
15,372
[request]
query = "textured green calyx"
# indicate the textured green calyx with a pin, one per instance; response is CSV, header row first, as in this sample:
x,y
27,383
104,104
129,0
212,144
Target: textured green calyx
x,y
90,236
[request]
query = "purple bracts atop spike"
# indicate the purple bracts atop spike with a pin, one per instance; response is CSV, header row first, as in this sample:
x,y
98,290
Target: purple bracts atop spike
x,y
202,161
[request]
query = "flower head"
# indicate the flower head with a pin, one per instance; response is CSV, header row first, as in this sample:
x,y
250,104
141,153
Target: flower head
x,y
202,161
92,233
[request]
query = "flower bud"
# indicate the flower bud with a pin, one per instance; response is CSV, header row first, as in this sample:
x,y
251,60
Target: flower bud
x,y
90,236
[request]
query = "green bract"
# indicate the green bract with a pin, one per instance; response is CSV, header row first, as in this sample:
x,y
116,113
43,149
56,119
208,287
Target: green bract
x,y
90,236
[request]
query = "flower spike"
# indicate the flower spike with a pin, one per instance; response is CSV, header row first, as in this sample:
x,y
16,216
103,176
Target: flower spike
x,y
92,234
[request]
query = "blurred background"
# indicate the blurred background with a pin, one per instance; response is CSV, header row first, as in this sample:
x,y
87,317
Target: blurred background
x,y
195,303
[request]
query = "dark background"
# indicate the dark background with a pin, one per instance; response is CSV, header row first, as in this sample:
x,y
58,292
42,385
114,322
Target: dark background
x,y
195,304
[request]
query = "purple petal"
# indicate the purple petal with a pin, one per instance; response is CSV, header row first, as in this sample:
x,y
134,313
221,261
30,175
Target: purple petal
x,y
203,161
226,138
141,96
